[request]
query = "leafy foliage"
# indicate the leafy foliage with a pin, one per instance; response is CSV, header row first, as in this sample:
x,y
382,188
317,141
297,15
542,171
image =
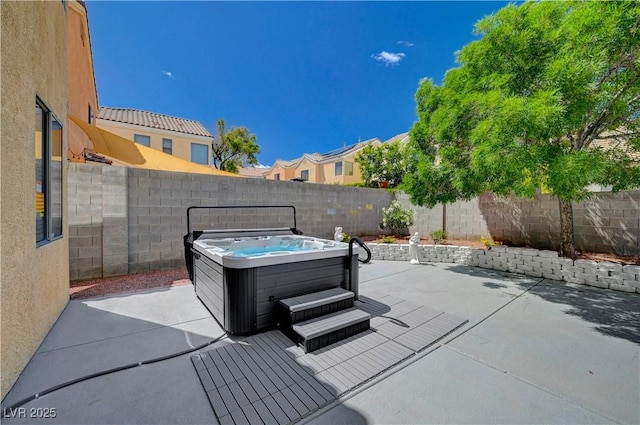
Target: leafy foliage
x,y
439,236
530,106
396,218
384,163
234,148
387,239
488,243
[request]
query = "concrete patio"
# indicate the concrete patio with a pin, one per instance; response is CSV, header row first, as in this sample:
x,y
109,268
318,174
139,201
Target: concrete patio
x,y
533,351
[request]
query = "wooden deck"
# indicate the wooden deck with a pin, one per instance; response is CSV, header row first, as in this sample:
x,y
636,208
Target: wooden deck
x,y
266,379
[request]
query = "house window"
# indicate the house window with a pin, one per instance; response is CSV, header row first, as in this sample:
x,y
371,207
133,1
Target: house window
x,y
304,175
167,146
199,153
348,168
48,155
142,140
339,168
276,176
89,114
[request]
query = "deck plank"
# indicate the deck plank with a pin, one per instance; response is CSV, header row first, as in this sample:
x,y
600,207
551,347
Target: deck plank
x,y
266,378
265,414
276,410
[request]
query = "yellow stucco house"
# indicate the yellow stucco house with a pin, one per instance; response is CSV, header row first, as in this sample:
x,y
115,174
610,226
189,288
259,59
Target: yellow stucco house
x,y
34,244
335,167
180,137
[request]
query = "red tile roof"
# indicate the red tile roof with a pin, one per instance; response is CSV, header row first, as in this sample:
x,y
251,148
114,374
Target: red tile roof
x,y
153,120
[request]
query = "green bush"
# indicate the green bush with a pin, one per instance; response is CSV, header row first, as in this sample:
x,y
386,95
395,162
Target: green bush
x,y
396,218
387,239
439,236
345,237
488,243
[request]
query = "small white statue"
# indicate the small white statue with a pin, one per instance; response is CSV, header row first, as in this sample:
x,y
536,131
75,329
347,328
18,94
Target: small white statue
x,y
413,248
337,236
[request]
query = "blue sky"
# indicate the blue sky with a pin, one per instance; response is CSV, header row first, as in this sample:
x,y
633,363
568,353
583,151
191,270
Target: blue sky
x,y
302,76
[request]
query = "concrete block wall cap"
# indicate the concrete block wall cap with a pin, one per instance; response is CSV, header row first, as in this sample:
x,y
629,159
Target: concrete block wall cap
x,y
564,261
545,253
585,263
529,252
498,248
606,265
514,250
631,269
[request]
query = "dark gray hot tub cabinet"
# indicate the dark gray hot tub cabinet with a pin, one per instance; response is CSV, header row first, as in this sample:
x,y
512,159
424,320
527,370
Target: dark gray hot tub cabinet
x,y
245,300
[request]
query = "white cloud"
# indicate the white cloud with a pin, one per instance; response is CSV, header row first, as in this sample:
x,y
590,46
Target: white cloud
x,y
405,43
168,73
388,58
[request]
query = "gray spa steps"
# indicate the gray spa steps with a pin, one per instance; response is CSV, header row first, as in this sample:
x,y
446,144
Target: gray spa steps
x,y
321,318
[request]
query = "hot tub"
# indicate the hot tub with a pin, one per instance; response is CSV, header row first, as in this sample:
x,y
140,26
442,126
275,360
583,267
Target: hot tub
x,y
241,275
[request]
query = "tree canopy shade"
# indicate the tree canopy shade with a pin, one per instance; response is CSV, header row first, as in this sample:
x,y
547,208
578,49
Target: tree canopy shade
x,y
548,97
231,149
384,163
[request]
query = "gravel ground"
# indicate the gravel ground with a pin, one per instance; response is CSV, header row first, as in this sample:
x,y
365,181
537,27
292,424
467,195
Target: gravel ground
x,y
129,283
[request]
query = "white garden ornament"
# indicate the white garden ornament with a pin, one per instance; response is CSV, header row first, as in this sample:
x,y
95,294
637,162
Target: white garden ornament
x,y
413,248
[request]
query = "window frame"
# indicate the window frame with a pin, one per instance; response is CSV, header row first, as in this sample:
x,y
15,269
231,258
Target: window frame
x,y
302,172
348,168
338,168
170,148
276,176
206,155
47,150
135,136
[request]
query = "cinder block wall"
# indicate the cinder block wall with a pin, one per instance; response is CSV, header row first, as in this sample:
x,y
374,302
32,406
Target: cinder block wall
x,y
608,222
126,220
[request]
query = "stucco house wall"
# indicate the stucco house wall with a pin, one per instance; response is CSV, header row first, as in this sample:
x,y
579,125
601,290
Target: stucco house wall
x,y
34,282
315,171
82,87
181,142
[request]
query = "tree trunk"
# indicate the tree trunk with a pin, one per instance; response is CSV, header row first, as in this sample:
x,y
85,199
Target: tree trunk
x,y
567,246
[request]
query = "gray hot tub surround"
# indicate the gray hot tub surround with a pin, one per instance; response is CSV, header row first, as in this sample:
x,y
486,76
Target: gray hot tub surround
x,y
240,276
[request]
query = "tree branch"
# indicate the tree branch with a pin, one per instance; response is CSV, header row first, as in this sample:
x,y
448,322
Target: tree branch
x,y
595,127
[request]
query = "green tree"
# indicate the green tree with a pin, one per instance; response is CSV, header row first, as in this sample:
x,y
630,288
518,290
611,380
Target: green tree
x,y
384,163
233,148
530,106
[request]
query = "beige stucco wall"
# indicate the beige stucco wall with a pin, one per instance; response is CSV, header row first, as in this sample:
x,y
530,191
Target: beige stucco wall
x,y
181,142
286,173
34,282
316,174
329,169
82,87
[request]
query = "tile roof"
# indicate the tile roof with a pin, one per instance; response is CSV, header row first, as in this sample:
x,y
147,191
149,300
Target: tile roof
x,y
397,137
153,120
253,171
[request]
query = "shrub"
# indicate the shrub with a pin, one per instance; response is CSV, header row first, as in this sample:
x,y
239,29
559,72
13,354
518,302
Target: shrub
x,y
387,239
345,237
488,243
439,236
396,218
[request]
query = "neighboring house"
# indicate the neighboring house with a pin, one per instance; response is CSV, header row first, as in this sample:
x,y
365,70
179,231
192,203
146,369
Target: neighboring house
x,y
34,265
401,138
335,167
180,137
